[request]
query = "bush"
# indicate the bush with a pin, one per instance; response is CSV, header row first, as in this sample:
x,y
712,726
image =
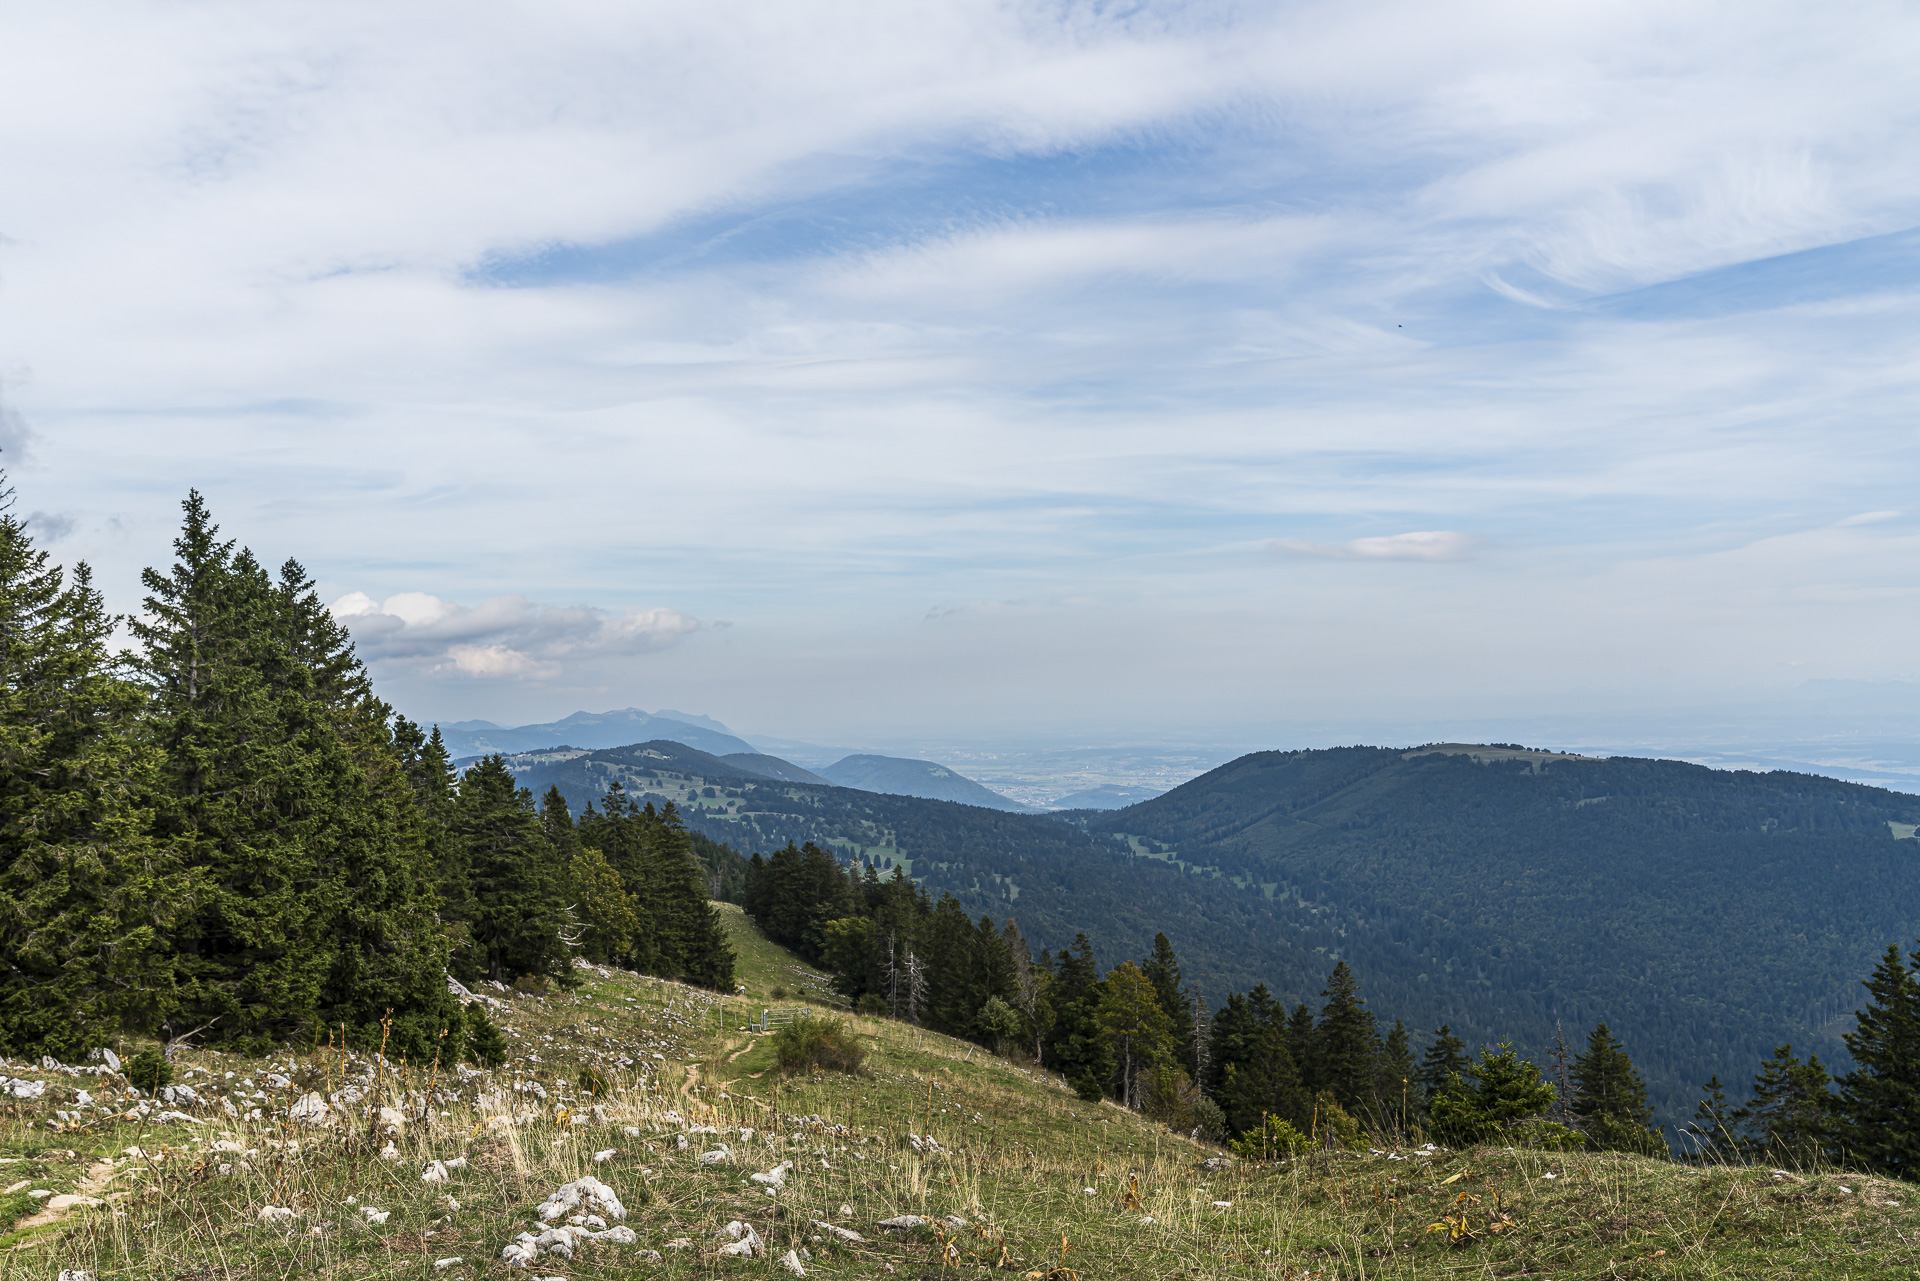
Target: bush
x,y
593,1080
486,1043
149,1070
1277,1138
809,1042
1088,1087
1211,1120
779,993
873,1005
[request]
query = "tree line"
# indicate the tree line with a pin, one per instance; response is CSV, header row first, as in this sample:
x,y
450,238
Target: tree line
x,y
222,835
1269,1078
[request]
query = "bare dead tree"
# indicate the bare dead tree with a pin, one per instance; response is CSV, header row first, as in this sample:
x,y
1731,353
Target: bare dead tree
x,y
1202,1038
916,987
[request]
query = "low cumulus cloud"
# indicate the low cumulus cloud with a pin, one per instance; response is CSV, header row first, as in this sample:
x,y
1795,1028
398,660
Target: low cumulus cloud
x,y
1424,544
506,636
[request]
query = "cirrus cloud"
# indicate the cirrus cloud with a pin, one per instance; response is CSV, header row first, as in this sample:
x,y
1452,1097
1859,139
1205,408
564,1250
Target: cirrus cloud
x,y
1424,544
503,637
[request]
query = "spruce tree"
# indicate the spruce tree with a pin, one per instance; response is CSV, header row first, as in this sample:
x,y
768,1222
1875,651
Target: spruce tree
x,y
1346,1038
1446,1057
1397,1081
516,879
1711,1130
89,903
1790,1118
1138,1031
1611,1098
1162,969
1879,1100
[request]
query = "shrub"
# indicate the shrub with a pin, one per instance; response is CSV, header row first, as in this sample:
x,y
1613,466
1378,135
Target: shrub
x,y
1275,1138
593,1080
873,1005
149,1070
779,993
486,1043
1211,1120
809,1042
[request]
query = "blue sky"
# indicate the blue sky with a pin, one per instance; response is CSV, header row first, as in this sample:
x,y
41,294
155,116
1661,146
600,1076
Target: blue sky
x,y
1104,370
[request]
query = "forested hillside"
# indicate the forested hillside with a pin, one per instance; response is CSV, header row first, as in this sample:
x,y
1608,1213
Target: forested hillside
x,y
1706,916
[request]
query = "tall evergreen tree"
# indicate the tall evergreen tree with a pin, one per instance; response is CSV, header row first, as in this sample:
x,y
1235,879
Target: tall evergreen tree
x,y
1790,1116
1445,1057
1611,1098
1397,1080
1347,1040
89,903
1879,1100
1711,1130
1137,1029
1162,969
516,878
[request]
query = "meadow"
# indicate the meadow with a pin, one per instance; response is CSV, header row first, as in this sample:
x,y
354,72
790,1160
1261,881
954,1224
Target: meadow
x,y
652,1089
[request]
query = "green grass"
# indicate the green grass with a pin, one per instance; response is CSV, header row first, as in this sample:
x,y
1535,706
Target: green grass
x,y
1013,1155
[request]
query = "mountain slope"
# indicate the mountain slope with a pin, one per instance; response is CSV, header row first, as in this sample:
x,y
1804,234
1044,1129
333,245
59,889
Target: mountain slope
x,y
898,776
591,730
772,767
1707,916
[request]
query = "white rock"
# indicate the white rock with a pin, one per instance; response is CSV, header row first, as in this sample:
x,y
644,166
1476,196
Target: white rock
x,y
738,1250
311,1108
442,1264
436,1172
715,1157
178,1094
75,1274
40,1194
111,1059
279,1082
621,1235
175,1118
601,1158
791,1262
587,1195
845,1211
392,1117
277,1214
839,1233
376,1216
903,1222
1223,1205
456,1163
389,1152
680,1142
26,1089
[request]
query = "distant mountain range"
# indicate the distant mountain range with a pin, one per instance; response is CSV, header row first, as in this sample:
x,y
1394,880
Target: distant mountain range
x,y
593,730
1108,796
892,775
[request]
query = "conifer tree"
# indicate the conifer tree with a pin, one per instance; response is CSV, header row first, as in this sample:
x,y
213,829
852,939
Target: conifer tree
x,y
1137,1029
1446,1057
1498,1090
1611,1098
1346,1038
517,881
1162,969
1790,1116
88,901
1079,1048
1879,1100
1396,1085
1711,1130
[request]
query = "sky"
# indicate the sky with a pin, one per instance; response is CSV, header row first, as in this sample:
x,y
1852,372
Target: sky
x,y
970,369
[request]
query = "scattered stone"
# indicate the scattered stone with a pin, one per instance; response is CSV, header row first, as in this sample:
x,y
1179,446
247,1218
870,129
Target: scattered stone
x,y
680,1142
955,1221
75,1274
376,1216
791,1262
715,1157
311,1108
601,1158
277,1214
26,1089
1217,1163
1223,1205
440,1265
178,1094
680,1243
436,1172
903,1223
39,1194
777,1176
844,1234
587,1195
648,1256
390,1152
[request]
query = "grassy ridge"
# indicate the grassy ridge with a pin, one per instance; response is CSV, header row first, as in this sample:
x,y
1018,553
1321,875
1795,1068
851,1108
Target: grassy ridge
x,y
1042,1180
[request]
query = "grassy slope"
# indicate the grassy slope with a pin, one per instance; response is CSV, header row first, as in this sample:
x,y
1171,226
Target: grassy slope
x,y
1018,1155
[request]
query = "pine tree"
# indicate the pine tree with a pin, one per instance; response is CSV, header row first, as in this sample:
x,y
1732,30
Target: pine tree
x,y
1790,1116
1611,1098
1137,1029
279,784
1347,1039
1711,1130
516,879
1497,1091
1079,1049
1446,1057
1162,969
1879,1101
88,902
1396,1085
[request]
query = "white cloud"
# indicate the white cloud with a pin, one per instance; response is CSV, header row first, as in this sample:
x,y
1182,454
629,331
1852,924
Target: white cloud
x,y
507,636
1427,544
